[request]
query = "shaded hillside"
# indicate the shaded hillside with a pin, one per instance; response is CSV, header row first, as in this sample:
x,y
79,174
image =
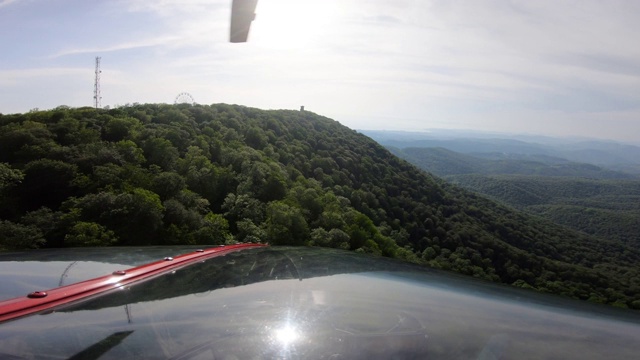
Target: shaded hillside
x,y
443,162
162,174
609,209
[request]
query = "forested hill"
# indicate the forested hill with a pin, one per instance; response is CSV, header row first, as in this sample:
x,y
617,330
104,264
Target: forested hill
x,y
182,174
609,209
585,197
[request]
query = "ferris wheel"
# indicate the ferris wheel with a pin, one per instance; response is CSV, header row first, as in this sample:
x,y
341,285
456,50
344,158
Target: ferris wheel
x,y
184,98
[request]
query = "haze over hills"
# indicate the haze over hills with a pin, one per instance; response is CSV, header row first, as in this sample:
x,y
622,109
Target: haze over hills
x,y
609,154
183,174
443,162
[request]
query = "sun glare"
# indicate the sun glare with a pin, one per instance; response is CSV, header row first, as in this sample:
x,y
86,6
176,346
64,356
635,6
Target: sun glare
x,y
287,335
294,22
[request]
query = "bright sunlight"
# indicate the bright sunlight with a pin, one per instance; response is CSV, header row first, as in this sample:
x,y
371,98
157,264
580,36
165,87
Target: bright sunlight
x,y
294,22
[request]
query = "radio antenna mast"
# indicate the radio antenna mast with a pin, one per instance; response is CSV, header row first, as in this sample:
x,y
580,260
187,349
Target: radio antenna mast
x,y
96,85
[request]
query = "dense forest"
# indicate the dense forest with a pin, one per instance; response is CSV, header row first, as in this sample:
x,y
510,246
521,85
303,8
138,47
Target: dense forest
x,y
609,209
585,197
183,174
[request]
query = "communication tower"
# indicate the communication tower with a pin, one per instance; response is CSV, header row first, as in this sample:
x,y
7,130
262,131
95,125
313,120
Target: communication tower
x,y
96,85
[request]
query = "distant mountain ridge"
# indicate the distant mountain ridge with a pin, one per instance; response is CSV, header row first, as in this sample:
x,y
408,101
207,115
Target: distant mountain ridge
x,y
610,154
588,198
444,162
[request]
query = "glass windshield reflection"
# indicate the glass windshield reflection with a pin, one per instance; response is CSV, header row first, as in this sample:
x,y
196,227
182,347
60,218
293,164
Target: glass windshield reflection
x,y
320,304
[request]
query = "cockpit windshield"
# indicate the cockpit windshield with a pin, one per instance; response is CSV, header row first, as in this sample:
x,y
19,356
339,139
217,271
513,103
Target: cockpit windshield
x,y
309,303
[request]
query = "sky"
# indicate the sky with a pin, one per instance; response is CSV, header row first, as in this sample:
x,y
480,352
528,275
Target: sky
x,y
547,67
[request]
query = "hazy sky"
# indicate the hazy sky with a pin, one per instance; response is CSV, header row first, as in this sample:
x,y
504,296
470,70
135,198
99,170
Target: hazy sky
x,y
533,66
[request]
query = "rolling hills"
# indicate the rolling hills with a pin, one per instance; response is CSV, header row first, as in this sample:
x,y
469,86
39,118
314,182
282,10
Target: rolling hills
x,y
585,197
444,162
606,154
609,209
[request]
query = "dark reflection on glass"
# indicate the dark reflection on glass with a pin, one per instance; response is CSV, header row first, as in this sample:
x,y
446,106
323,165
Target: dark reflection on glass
x,y
131,256
97,350
248,267
25,271
306,303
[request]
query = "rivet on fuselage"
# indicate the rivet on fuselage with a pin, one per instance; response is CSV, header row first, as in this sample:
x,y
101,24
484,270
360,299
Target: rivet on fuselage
x,y
37,294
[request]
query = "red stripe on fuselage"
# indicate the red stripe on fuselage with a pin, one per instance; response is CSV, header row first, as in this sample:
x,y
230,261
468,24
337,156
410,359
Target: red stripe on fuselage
x,y
45,300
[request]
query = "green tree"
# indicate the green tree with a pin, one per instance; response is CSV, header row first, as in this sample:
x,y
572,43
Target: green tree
x,y
285,225
47,183
161,152
22,142
89,234
241,207
9,177
130,152
17,236
250,232
215,230
122,128
49,223
135,217
168,184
